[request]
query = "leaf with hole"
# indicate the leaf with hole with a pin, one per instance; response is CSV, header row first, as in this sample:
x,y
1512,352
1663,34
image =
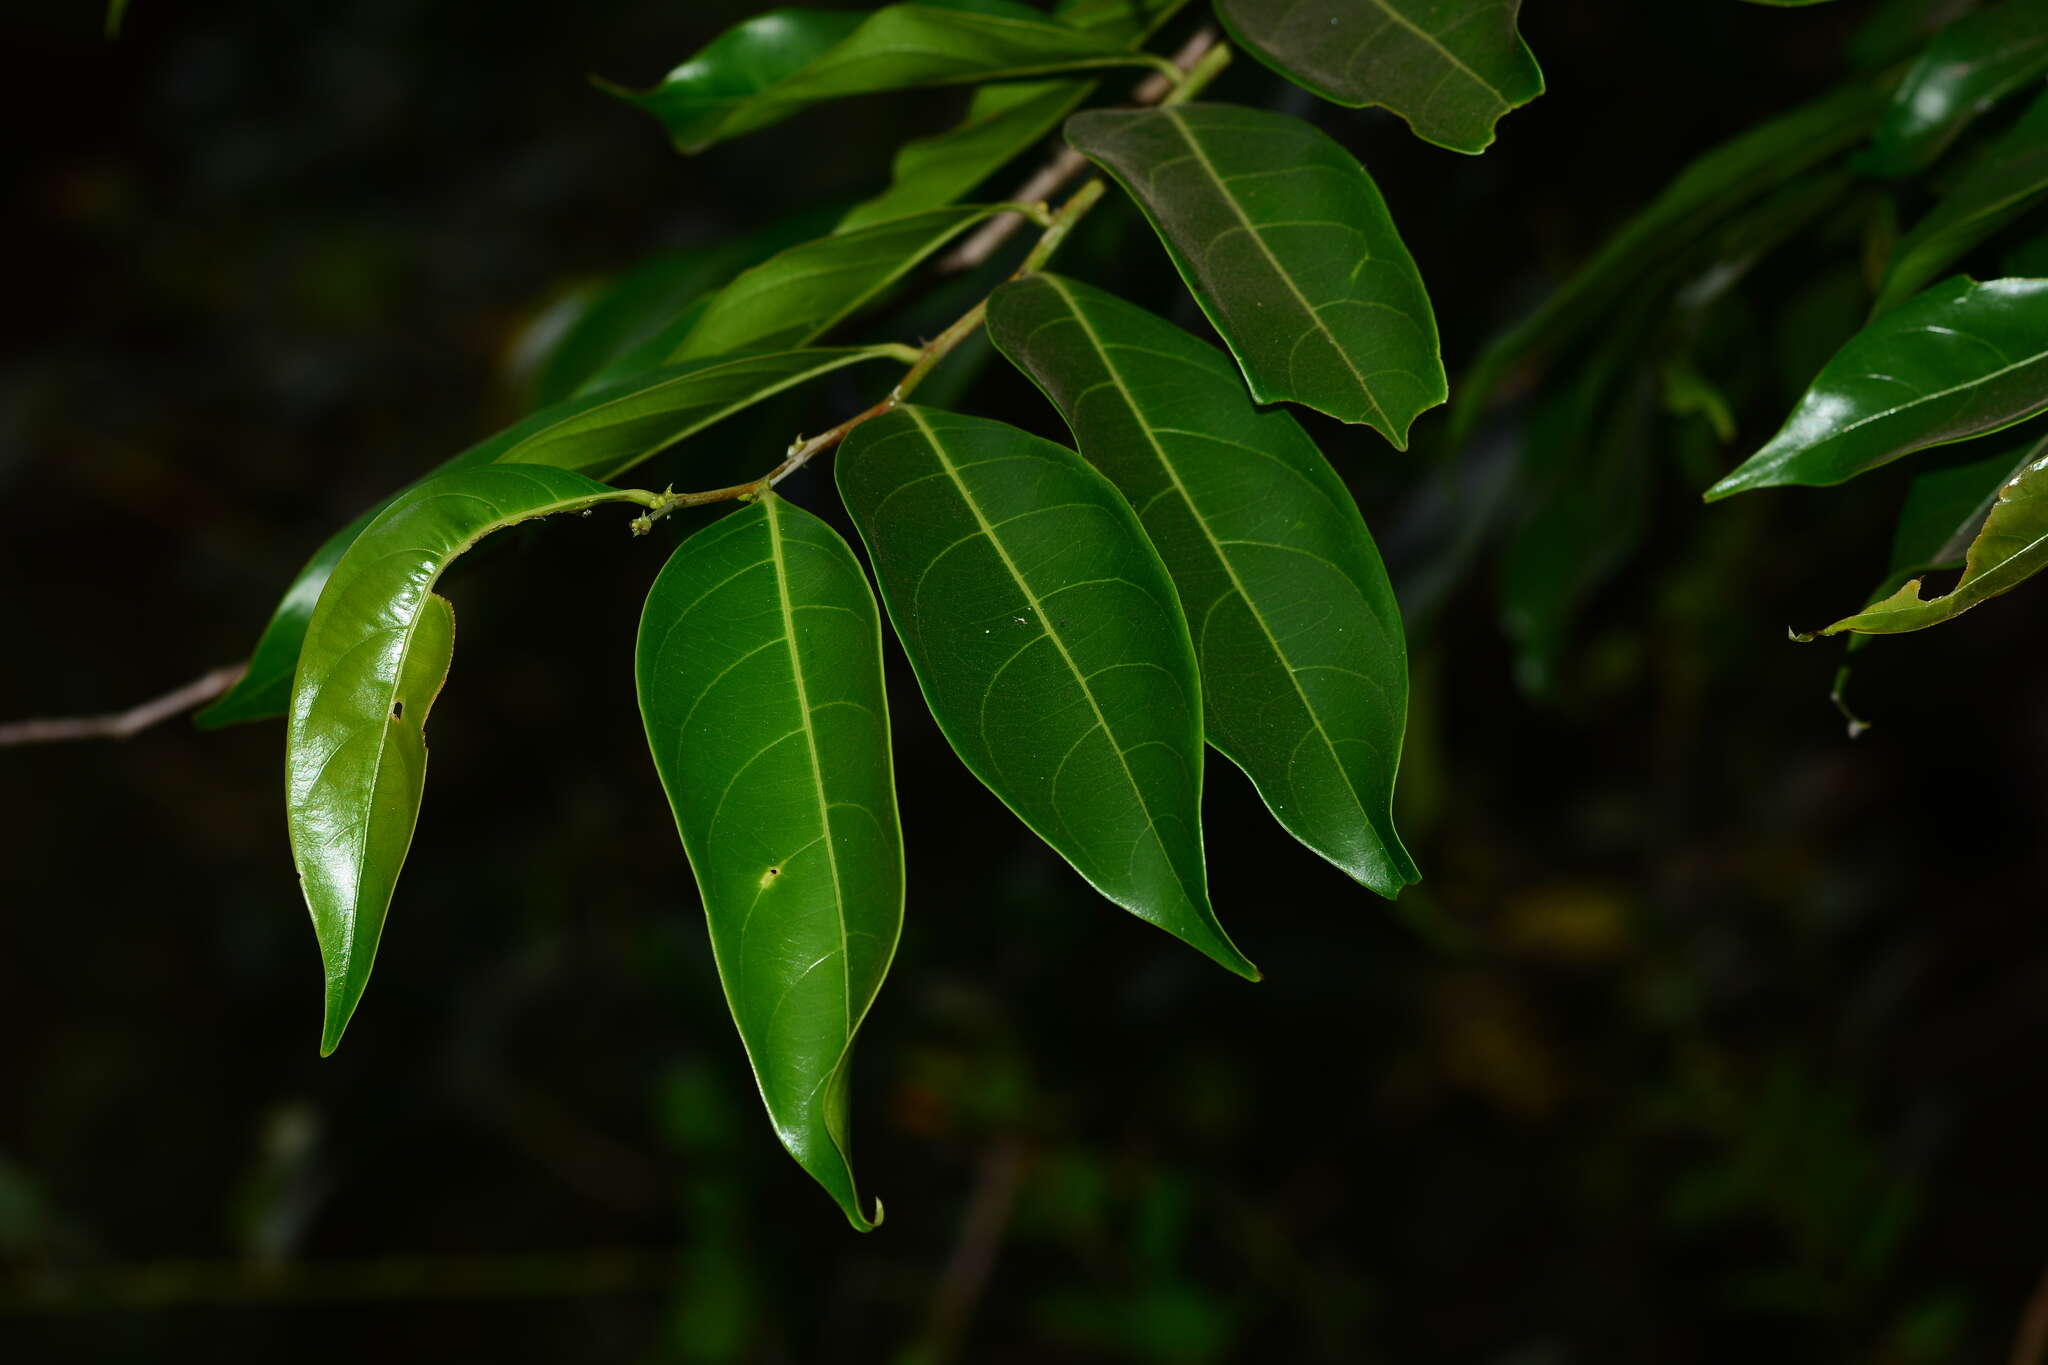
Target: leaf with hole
x,y
1289,249
1450,68
1050,646
375,653
760,676
1303,662
1960,360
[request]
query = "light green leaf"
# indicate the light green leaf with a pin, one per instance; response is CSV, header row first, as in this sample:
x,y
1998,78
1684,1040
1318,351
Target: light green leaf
x,y
776,64
1050,646
760,675
2009,178
1450,68
1945,507
1970,66
2011,548
602,434
375,653
1002,122
804,292
1712,189
1289,249
1304,665
1960,360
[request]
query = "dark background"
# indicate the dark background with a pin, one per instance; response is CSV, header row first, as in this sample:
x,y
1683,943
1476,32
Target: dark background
x,y
1709,1032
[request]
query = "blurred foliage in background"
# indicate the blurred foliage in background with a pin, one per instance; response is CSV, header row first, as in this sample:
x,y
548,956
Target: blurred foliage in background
x,y
1711,1030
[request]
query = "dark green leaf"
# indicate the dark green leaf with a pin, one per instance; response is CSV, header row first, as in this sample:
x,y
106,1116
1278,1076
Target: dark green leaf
x,y
804,292
1003,121
775,64
1970,66
602,434
1123,20
1289,249
1893,30
2011,176
375,653
1050,646
1958,361
1708,192
760,675
1451,68
2011,548
1304,666
1944,509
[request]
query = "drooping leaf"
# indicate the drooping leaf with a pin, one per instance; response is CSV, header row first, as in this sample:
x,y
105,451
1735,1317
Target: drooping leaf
x,y
1451,68
1304,666
602,434
776,64
1959,360
1289,249
1945,507
1002,122
2011,548
1970,66
2011,177
375,653
760,676
1050,646
802,293
1708,192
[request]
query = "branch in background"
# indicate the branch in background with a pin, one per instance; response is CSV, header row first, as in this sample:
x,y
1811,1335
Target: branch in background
x,y
124,724
2030,1347
983,1225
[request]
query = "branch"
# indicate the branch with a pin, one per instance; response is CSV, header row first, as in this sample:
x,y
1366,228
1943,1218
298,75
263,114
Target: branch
x,y
124,724
2031,1346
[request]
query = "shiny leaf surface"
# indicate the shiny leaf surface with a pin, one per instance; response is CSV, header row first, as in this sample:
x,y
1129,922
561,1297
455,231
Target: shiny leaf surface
x,y
1289,249
1303,662
2011,548
375,653
760,676
2009,178
1959,360
1970,66
1450,68
776,64
802,293
1050,646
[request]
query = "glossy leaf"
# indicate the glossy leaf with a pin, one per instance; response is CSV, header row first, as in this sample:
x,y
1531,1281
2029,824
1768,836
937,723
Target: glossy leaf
x,y
2011,548
1450,68
1705,194
1002,122
1050,646
1945,507
760,677
2009,178
602,434
1970,66
804,292
1304,665
1958,361
375,653
1289,249
776,64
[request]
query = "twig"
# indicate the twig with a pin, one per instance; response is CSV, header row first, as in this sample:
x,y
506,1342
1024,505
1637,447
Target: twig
x,y
124,724
1064,166
2030,1347
983,1225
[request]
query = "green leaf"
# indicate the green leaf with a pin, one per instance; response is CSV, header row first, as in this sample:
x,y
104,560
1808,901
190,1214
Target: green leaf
x,y
602,434
776,64
2011,176
1123,20
1969,67
1893,30
804,292
1944,509
1050,646
376,651
1958,361
1304,665
760,675
2011,548
1289,249
1709,191
1450,68
1002,122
